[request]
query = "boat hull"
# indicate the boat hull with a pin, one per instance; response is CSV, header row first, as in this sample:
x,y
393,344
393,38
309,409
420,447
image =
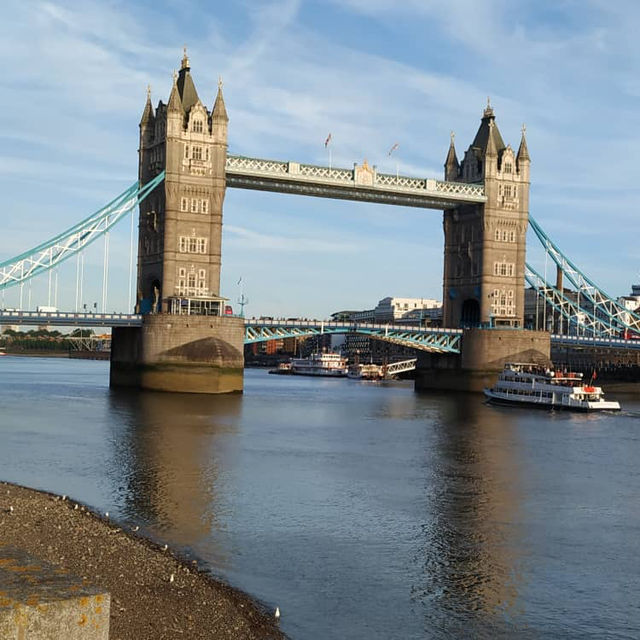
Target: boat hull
x,y
545,403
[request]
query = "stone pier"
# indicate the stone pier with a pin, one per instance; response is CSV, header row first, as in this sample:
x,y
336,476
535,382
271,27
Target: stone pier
x,y
482,357
186,354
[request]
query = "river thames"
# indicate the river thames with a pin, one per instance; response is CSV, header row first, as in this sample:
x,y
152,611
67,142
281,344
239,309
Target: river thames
x,y
362,510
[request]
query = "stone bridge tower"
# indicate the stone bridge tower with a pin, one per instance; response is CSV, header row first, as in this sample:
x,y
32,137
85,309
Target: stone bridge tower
x,y
180,226
187,343
485,244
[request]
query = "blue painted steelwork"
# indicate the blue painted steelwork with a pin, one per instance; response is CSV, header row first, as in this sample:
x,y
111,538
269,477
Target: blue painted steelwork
x,y
423,338
612,316
579,320
50,254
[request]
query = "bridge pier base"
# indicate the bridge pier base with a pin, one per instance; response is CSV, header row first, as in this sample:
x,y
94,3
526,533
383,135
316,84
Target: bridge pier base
x,y
184,354
482,357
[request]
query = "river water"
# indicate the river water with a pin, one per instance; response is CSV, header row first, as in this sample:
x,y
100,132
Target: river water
x,y
362,510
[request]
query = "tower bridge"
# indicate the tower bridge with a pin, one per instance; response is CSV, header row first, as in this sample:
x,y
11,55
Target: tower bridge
x,y
179,339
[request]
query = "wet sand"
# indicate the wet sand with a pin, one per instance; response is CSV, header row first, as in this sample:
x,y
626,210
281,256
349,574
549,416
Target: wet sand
x,y
155,595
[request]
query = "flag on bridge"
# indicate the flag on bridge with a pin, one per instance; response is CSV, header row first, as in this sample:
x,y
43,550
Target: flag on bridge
x,y
327,141
395,146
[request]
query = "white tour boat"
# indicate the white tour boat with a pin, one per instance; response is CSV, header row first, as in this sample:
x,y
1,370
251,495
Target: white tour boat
x,y
320,364
366,372
532,384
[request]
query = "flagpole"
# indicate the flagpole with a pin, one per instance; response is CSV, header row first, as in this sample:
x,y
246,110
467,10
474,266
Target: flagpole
x,y
329,156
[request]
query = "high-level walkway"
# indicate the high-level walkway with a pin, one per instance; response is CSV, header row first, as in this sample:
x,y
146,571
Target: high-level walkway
x,y
362,183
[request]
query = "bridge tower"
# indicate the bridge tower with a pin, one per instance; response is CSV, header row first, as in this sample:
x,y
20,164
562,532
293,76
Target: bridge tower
x,y
484,256
484,252
187,343
180,225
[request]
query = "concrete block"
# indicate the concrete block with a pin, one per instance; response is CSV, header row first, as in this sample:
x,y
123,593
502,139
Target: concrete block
x,y
41,602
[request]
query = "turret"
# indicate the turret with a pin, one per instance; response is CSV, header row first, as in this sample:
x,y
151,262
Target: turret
x,y
219,118
175,112
523,161
147,123
451,164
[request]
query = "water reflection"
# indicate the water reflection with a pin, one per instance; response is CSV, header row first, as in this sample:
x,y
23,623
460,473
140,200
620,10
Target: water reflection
x,y
166,461
472,551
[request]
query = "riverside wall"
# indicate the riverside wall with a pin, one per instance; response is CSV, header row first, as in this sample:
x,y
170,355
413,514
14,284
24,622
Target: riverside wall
x,y
185,354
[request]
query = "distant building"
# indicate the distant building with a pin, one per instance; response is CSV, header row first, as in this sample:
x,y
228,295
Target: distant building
x,y
406,310
389,310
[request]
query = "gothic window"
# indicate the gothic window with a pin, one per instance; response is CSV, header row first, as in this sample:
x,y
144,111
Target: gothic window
x,y
503,269
183,244
498,235
204,206
202,245
512,236
194,205
193,245
184,204
197,126
206,153
505,236
197,153
182,272
508,168
186,151
191,281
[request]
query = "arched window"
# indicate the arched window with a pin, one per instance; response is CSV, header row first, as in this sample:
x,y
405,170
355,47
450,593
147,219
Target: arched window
x,y
197,126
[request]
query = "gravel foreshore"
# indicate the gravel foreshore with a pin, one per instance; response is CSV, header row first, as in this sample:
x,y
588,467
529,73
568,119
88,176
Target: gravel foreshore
x,y
155,595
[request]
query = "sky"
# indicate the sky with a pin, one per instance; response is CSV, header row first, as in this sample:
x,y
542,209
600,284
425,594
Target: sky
x,y
373,73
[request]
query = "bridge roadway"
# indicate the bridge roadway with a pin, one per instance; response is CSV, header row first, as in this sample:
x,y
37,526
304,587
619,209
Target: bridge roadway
x,y
262,329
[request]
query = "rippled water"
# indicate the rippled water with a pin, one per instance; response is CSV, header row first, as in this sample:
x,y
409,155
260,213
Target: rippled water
x,y
361,510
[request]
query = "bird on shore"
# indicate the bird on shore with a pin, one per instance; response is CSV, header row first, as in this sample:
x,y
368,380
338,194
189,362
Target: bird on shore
x,y
171,578
277,614
166,546
135,528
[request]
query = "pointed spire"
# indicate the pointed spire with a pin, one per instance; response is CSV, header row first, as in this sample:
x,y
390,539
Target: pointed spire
x,y
488,111
523,151
492,149
147,114
219,109
451,164
175,104
488,129
186,88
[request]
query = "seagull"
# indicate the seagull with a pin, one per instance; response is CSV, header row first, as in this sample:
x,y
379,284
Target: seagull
x,y
64,498
135,528
171,578
106,514
10,509
166,546
277,614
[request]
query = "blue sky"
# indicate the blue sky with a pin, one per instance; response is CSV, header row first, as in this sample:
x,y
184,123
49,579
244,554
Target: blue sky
x,y
371,72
